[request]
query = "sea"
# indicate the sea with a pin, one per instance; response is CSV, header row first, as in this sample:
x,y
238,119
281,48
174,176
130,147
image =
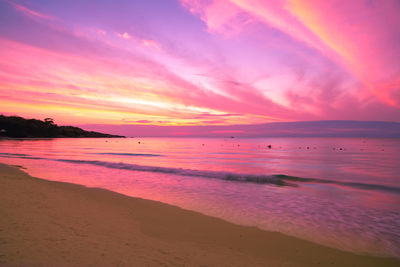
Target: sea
x,y
339,192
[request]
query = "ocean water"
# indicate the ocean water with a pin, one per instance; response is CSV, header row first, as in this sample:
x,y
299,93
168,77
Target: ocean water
x,y
340,192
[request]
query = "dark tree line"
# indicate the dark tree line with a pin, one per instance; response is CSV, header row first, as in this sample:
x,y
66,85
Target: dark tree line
x,y
17,127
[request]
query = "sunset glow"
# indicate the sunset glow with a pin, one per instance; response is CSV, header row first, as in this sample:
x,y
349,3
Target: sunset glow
x,y
195,62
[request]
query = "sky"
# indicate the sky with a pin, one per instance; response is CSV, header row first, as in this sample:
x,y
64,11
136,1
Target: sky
x,y
200,62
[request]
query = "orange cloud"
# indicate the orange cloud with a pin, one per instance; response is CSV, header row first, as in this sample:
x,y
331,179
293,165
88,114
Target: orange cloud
x,y
36,80
361,35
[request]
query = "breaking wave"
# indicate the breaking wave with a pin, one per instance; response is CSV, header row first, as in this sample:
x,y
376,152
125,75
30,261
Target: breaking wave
x,y
263,179
275,179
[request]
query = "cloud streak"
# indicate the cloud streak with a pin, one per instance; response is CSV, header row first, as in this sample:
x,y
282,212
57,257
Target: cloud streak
x,y
216,62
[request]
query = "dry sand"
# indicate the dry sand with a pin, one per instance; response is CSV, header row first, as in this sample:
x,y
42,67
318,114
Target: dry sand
x,y
44,223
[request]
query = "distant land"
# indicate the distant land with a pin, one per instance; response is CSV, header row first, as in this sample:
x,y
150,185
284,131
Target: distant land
x,y
17,127
327,128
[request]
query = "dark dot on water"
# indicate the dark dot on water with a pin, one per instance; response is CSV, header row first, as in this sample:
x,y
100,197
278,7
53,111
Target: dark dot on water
x,y
269,146
341,149
308,147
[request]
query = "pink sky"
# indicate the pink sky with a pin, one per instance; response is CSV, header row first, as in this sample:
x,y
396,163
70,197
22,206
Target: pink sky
x,y
195,62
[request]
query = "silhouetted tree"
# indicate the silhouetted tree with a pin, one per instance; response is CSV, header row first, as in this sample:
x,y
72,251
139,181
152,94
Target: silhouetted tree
x,y
18,127
49,121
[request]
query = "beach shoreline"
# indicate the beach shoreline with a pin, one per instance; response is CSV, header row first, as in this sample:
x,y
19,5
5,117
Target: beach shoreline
x,y
48,223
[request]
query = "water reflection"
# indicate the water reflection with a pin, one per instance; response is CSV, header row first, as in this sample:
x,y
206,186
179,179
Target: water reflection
x,y
335,214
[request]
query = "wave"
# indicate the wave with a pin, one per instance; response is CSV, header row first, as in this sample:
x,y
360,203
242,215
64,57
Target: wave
x,y
275,179
349,184
12,154
271,179
128,154
261,179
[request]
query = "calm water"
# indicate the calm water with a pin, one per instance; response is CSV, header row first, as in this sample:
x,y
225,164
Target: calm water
x,y
341,192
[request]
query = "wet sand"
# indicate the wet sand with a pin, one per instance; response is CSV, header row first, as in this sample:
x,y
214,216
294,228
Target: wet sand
x,y
46,223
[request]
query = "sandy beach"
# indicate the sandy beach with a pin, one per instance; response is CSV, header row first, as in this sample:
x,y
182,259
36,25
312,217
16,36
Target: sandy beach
x,y
45,223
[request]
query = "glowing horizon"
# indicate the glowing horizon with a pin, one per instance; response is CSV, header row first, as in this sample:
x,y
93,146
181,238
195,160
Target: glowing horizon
x,y
194,62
